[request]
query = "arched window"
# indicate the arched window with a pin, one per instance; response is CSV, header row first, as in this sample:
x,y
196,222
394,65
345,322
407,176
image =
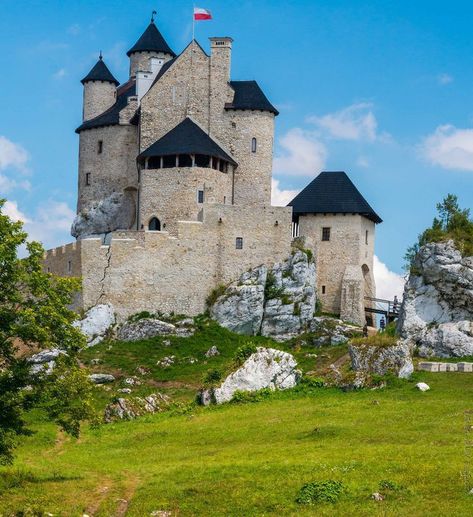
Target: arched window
x,y
154,225
254,145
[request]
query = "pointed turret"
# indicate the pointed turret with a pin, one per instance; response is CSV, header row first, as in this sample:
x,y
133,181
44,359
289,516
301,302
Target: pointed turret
x,y
150,45
99,90
100,72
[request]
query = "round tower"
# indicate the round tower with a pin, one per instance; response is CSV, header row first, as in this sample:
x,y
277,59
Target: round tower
x,y
99,90
150,46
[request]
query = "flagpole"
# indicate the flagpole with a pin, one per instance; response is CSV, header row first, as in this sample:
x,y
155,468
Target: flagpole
x,y
193,24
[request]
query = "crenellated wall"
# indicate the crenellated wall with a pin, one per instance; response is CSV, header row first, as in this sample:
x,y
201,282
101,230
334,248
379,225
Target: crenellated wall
x,y
154,271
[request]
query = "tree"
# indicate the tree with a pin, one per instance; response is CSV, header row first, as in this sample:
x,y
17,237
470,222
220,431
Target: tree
x,y
452,223
34,315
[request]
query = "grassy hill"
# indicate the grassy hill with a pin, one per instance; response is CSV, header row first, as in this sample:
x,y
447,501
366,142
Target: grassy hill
x,y
248,458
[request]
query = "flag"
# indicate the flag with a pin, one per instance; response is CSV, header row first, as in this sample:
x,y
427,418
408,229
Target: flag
x,y
202,14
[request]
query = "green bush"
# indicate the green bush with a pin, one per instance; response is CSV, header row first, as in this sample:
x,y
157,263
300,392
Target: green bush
x,y
271,291
381,339
242,353
215,294
320,492
241,397
212,377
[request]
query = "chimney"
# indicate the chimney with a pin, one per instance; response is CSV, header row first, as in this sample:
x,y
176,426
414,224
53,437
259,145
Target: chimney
x,y
221,57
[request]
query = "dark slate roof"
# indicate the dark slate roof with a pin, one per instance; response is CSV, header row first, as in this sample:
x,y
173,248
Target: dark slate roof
x,y
111,117
249,96
186,138
332,193
151,41
100,72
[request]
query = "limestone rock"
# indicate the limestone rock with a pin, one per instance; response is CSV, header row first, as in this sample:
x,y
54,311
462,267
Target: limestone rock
x,y
332,331
101,378
437,310
44,361
241,308
96,323
377,497
212,352
128,409
380,360
422,386
278,302
166,362
267,368
145,328
116,212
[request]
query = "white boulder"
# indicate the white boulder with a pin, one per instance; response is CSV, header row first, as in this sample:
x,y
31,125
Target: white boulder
x,y
97,321
145,328
267,368
422,386
437,310
101,378
380,360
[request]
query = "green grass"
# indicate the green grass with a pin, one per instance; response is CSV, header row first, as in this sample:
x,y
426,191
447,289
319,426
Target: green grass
x,y
251,459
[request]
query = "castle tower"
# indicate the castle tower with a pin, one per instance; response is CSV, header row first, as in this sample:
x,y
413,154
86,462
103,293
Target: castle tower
x,y
99,90
338,225
150,52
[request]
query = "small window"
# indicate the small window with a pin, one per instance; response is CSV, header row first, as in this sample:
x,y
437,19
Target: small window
x,y
366,237
185,160
154,225
201,160
69,266
154,162
49,270
87,178
169,162
325,234
200,196
239,243
323,289
233,124
222,166
224,200
254,145
100,147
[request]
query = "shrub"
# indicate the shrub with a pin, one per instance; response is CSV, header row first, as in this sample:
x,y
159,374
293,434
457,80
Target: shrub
x,y
242,353
212,377
320,492
140,316
215,294
383,340
391,329
240,397
271,291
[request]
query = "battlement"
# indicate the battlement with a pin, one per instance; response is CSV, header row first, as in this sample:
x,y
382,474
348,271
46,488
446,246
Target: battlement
x,y
64,260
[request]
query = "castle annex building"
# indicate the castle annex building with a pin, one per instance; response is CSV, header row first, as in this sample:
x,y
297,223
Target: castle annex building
x,y
174,190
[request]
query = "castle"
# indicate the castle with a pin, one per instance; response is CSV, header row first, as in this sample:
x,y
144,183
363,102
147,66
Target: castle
x,y
174,190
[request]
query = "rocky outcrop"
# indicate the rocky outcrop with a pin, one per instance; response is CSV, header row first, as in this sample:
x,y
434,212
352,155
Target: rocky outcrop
x,y
116,212
330,331
437,310
147,328
101,378
267,368
380,360
277,302
96,323
44,361
133,407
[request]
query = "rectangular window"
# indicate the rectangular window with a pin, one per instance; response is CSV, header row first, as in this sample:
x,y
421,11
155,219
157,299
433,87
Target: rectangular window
x,y
366,237
87,178
323,289
69,266
239,243
325,234
100,147
200,196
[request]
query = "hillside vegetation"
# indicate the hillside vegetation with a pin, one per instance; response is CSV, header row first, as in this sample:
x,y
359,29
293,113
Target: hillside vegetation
x,y
248,458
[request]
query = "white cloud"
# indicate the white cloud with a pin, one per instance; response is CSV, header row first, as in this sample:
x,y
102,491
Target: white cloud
x,y
388,283
62,72
50,224
449,147
356,122
303,154
281,197
444,79
363,161
10,208
12,155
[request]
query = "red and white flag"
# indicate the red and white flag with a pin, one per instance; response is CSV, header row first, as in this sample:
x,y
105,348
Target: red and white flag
x,y
202,14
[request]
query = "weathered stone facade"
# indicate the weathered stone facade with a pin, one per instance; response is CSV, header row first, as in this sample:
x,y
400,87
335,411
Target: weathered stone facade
x,y
211,220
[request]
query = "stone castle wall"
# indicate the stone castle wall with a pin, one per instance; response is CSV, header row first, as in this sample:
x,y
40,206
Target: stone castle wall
x,y
113,170
346,247
172,201
154,271
98,97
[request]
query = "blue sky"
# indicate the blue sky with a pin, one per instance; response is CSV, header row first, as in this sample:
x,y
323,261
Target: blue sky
x,y
382,90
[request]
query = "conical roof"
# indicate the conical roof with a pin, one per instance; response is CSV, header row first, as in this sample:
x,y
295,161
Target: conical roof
x,y
332,193
100,72
151,41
